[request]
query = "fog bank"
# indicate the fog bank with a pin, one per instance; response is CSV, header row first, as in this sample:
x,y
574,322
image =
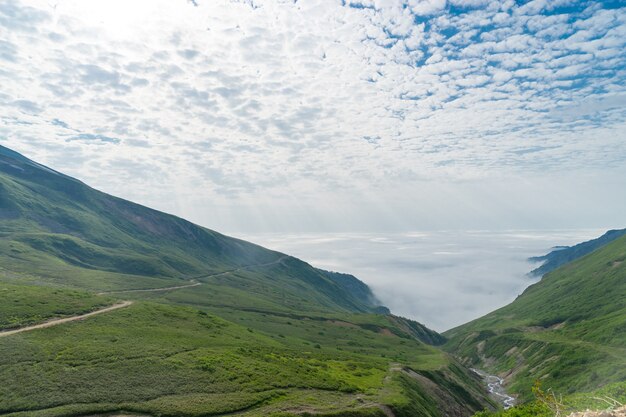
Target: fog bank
x,y
442,279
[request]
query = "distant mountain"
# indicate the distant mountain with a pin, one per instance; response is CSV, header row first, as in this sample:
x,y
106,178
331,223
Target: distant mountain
x,y
564,254
568,330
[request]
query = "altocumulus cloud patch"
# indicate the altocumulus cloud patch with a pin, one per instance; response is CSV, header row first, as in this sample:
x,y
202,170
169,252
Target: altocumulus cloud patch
x,y
330,95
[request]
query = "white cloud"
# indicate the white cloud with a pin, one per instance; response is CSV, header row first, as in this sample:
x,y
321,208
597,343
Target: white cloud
x,y
426,7
440,278
236,101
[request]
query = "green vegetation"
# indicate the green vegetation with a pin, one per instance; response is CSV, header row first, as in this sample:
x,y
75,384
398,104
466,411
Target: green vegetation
x,y
165,359
24,305
259,334
220,326
569,329
563,255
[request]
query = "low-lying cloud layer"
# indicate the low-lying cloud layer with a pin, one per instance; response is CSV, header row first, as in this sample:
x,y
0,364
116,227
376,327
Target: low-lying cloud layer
x,y
442,279
224,110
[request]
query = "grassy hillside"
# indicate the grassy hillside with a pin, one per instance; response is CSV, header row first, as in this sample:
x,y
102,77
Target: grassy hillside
x,y
51,223
568,330
171,360
563,255
215,325
25,305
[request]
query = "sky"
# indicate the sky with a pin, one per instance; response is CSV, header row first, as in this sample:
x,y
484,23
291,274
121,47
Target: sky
x,y
328,116
440,278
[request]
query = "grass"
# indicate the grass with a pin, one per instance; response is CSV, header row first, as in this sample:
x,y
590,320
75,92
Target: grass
x,y
23,305
273,336
63,231
177,353
174,360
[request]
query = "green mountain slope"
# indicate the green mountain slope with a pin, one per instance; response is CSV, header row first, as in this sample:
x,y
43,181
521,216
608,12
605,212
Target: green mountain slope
x,y
563,255
46,217
568,330
211,325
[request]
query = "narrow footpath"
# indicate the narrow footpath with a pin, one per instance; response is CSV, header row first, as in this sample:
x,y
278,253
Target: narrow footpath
x,y
123,304
56,322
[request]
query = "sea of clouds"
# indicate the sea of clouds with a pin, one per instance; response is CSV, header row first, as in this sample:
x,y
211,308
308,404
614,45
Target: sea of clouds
x,y
443,278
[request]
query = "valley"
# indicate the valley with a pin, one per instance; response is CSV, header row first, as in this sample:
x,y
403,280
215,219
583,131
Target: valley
x,y
567,331
110,307
312,208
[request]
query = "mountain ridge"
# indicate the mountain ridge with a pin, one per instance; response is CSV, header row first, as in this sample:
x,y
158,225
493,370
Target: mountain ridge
x,y
565,254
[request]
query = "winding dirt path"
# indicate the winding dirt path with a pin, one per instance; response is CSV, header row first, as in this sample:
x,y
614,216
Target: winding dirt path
x,y
241,268
195,283
56,322
178,287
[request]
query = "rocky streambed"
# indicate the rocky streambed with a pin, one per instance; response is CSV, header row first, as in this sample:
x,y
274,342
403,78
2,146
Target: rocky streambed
x,y
495,386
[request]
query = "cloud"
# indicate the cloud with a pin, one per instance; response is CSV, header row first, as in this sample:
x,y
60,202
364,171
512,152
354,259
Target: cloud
x,y
93,138
61,123
313,98
439,278
188,53
19,17
591,106
8,51
426,7
27,106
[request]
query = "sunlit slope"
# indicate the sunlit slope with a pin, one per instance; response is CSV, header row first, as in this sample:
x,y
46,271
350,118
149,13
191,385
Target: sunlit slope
x,y
569,329
57,228
178,353
169,360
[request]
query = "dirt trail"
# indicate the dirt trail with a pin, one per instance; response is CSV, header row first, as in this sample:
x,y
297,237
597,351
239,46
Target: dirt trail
x,y
56,322
195,283
178,287
123,304
277,261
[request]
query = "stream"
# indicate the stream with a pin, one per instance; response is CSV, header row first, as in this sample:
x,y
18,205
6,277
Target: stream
x,y
495,386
